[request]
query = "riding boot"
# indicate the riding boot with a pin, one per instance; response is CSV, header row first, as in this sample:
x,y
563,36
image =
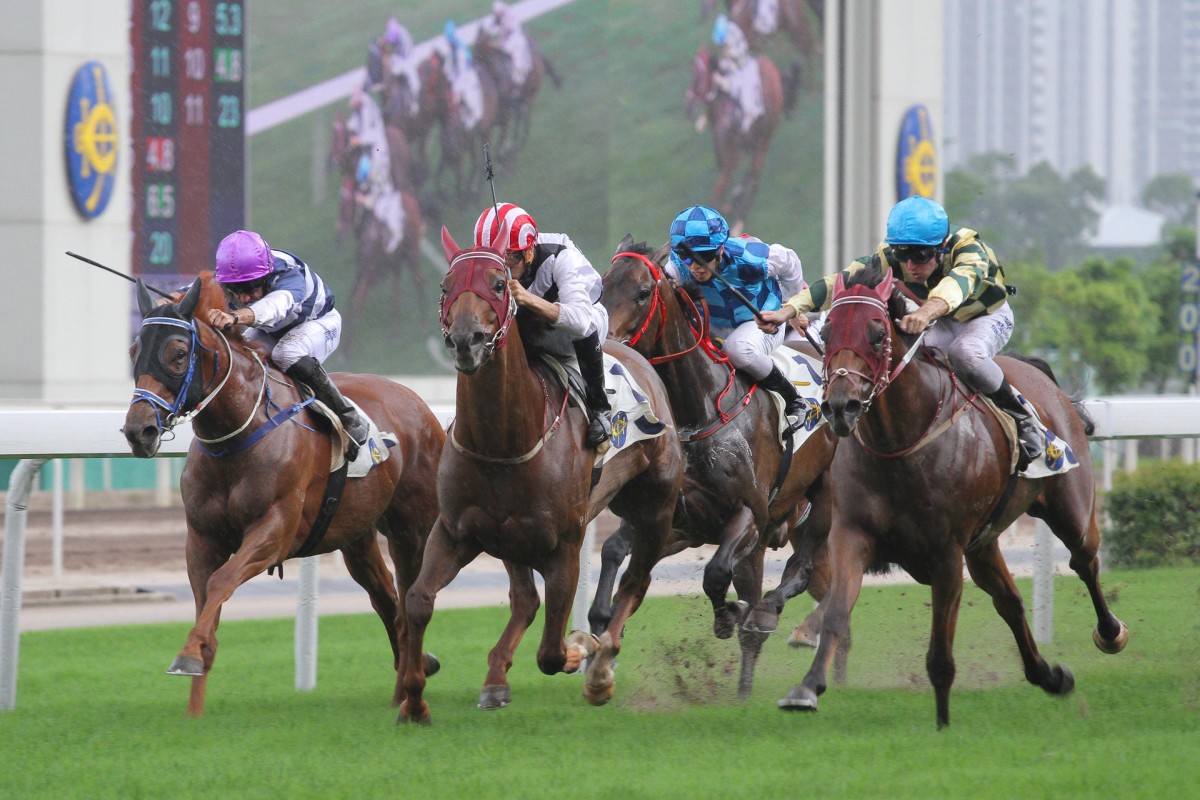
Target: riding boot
x,y
310,371
1033,441
591,367
793,404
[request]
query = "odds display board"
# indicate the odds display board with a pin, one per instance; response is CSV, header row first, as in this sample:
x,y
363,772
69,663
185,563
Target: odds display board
x,y
189,125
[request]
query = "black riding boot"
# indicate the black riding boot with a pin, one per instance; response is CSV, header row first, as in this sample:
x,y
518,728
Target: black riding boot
x,y
310,371
591,367
793,404
1033,441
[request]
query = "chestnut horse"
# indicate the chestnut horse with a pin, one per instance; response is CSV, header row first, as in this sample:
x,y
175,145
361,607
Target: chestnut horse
x,y
928,479
518,482
734,495
255,478
720,111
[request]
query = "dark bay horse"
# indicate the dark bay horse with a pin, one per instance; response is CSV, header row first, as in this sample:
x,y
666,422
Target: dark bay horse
x,y
515,112
923,479
721,112
253,491
517,481
734,495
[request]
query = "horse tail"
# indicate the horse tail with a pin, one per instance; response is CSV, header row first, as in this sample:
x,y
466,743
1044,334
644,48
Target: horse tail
x,y
791,88
552,73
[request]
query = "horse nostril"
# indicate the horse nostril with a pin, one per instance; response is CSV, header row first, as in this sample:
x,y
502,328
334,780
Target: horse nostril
x,y
826,409
446,340
477,338
853,407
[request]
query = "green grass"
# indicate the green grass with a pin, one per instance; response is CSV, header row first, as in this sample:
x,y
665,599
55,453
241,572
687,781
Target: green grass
x,y
97,718
611,152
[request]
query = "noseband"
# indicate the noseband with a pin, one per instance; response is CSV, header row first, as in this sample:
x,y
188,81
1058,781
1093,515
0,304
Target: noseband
x,y
470,276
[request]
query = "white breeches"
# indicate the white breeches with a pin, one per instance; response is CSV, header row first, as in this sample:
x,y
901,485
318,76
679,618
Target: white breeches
x,y
749,349
971,346
316,337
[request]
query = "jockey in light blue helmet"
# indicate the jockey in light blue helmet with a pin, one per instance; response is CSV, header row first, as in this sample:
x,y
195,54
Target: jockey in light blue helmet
x,y
700,228
917,220
720,30
364,168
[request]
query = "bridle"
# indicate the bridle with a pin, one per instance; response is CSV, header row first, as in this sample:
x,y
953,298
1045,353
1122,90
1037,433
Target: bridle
x,y
473,279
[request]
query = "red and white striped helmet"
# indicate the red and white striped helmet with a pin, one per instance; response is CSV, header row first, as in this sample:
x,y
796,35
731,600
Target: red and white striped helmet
x,y
505,227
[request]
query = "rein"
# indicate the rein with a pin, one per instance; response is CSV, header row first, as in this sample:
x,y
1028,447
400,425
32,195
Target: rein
x,y
173,416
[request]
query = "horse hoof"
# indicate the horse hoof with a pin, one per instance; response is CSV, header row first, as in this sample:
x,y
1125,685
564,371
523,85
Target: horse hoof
x,y
1114,646
1064,682
803,637
493,697
582,643
726,619
758,621
408,717
598,695
800,698
432,665
186,665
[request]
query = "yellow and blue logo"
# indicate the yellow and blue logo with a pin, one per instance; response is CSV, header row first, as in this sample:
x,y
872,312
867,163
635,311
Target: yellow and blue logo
x,y
91,140
620,429
916,155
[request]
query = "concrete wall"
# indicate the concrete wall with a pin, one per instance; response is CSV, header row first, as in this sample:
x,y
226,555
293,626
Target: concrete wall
x,y
65,325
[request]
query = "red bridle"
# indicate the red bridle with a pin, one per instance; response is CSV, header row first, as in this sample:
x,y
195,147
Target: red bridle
x,y
470,269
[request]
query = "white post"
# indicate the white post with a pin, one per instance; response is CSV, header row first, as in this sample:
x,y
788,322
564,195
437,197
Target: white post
x,y
56,522
583,599
163,485
306,624
1043,584
20,483
78,483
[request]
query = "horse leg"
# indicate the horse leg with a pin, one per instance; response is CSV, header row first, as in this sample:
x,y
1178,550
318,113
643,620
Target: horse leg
x,y
405,536
808,542
365,564
1082,538
946,595
523,605
739,535
990,572
747,580
204,557
444,557
848,553
612,555
562,577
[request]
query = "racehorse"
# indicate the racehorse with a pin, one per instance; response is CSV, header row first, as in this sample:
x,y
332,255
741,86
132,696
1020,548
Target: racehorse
x,y
740,490
928,479
417,127
791,18
254,484
518,481
372,236
720,111
455,179
516,102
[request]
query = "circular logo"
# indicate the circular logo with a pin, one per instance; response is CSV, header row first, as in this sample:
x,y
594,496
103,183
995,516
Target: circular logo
x,y
91,140
620,429
916,156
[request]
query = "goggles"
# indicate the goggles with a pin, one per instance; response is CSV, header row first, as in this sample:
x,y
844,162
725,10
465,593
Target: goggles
x,y
705,257
916,253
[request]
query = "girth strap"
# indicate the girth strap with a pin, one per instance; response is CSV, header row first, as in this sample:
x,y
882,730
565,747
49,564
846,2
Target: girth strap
x,y
329,507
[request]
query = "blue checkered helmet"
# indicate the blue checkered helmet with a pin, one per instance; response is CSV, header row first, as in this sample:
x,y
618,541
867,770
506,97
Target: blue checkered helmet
x,y
700,228
917,220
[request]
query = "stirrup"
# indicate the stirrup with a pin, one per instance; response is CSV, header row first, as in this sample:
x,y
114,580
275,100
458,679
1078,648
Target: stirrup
x,y
599,429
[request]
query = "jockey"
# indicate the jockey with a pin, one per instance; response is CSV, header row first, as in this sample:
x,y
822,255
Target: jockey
x,y
962,282
377,194
367,130
285,305
553,279
723,268
737,71
464,80
403,65
511,38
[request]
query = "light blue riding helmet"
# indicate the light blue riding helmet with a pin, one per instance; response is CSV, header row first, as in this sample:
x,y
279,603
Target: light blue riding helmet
x,y
700,228
720,30
364,168
917,220
451,31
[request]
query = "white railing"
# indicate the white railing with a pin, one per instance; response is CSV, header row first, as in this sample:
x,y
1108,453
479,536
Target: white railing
x,y
39,435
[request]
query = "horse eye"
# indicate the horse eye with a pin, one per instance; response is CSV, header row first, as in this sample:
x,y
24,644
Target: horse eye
x,y
498,286
875,335
643,296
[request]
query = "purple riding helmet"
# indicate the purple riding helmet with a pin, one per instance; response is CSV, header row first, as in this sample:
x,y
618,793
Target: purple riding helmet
x,y
243,256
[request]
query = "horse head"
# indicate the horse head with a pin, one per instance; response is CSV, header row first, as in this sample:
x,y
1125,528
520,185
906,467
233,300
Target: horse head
x,y
858,345
476,307
166,369
634,294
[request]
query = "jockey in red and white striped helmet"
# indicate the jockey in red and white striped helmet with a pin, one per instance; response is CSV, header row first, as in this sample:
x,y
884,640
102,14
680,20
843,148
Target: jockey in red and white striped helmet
x,y
553,280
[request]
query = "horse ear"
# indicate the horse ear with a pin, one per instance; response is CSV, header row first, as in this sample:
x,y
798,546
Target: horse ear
x,y
145,301
448,246
187,306
626,243
660,256
839,286
883,290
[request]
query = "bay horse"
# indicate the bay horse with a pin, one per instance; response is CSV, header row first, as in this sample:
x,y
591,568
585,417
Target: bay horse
x,y
518,482
515,113
721,112
255,478
375,266
739,492
925,478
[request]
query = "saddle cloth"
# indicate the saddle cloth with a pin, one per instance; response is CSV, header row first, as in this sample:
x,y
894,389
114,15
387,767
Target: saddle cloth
x,y
633,419
1058,458
375,451
805,374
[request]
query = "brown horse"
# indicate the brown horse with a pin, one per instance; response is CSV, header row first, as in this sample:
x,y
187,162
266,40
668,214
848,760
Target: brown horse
x,y
518,482
431,103
455,177
928,479
720,111
255,479
516,102
792,19
739,492
376,266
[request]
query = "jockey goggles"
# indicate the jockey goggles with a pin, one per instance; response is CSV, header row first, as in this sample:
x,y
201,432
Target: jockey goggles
x,y
916,253
705,257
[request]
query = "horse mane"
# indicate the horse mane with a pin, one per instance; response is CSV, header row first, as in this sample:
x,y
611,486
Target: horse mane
x,y
211,295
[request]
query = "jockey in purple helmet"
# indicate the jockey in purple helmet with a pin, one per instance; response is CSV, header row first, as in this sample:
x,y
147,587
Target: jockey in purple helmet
x,y
287,306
